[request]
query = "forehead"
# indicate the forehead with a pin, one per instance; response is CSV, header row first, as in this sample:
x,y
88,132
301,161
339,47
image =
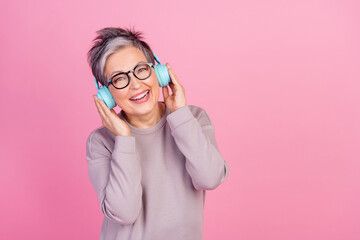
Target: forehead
x,y
123,60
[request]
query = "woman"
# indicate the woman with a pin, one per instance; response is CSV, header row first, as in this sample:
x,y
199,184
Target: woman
x,y
151,164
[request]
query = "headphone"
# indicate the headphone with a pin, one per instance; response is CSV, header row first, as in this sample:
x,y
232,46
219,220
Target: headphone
x,y
162,75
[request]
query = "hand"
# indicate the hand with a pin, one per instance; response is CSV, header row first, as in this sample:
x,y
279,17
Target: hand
x,y
111,120
177,99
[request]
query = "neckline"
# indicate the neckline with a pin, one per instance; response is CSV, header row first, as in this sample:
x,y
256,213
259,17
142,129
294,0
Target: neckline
x,y
149,130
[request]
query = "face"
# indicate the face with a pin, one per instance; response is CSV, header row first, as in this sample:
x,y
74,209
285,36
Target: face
x,y
124,60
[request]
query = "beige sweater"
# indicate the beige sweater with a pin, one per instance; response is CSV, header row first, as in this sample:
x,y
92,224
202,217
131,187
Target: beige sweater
x,y
151,185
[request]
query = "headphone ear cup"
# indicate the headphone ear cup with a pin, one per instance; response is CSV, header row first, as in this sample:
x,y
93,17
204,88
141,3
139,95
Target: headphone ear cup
x,y
105,95
162,75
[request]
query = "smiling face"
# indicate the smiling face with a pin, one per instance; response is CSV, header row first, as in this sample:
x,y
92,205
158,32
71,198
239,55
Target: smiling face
x,y
123,60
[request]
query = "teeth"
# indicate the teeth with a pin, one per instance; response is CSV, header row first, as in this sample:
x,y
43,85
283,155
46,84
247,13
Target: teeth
x,y
140,96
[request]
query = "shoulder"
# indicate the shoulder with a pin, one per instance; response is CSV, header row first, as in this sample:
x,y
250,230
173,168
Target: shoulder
x,y
200,114
97,134
99,137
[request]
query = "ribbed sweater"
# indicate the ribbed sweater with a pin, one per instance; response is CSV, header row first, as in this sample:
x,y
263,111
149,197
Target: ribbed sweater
x,y
151,185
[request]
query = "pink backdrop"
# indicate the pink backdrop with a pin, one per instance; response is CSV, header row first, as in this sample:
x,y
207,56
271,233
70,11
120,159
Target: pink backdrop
x,y
279,80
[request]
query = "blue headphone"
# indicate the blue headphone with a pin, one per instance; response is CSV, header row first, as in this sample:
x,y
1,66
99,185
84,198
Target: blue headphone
x,y
162,75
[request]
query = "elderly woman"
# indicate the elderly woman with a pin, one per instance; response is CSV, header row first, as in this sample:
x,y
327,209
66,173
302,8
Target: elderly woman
x,y
150,164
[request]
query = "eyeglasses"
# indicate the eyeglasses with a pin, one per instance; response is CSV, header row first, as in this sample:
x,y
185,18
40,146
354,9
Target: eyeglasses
x,y
121,80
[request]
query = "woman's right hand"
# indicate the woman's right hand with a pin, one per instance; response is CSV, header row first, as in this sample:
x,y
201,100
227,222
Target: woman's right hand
x,y
111,120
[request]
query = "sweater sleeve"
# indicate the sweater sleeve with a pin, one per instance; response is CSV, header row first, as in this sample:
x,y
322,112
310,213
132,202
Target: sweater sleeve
x,y
116,177
197,142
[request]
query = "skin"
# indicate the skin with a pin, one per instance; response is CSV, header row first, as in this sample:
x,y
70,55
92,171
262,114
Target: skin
x,y
143,115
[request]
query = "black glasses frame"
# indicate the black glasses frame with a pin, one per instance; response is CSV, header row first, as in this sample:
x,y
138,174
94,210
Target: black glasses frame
x,y
128,77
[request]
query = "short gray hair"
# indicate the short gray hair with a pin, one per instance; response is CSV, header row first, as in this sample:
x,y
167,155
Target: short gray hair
x,y
108,41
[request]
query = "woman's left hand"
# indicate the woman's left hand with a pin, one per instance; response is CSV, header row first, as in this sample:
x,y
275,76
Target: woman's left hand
x,y
177,99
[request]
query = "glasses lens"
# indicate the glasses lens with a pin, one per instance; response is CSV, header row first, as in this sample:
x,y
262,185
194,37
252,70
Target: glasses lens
x,y
120,80
142,71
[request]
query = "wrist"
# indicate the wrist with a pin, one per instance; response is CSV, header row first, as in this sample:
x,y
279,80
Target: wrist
x,y
178,108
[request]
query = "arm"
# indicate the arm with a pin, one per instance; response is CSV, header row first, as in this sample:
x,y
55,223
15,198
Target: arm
x,y
196,141
116,177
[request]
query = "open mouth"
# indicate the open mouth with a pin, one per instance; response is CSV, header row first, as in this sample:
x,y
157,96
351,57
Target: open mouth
x,y
142,96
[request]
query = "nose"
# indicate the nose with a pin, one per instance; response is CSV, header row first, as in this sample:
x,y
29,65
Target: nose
x,y
134,82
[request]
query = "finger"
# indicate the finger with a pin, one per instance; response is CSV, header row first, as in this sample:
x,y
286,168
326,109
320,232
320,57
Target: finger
x,y
99,108
173,77
104,107
165,92
113,111
173,87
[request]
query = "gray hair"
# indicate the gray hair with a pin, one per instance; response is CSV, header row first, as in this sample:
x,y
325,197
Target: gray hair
x,y
108,41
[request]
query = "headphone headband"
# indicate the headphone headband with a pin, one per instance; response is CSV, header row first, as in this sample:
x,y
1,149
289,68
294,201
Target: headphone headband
x,y
156,59
97,84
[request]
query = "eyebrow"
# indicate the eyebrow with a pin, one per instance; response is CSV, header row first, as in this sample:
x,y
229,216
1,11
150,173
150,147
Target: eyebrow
x,y
120,71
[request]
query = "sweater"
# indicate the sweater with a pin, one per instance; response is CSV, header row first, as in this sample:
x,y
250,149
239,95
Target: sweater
x,y
151,185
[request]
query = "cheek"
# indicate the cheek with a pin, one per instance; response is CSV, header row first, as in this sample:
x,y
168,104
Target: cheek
x,y
155,86
118,95
154,82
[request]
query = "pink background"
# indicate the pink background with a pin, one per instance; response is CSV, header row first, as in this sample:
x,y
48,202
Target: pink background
x,y
279,80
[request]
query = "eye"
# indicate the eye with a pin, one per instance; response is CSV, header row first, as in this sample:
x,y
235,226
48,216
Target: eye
x,y
141,69
119,78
